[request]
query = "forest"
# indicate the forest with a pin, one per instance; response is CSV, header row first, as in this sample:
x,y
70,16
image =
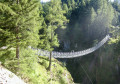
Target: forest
x,y
62,26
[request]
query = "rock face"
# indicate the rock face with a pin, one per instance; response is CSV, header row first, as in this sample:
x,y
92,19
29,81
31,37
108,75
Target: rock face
x,y
7,77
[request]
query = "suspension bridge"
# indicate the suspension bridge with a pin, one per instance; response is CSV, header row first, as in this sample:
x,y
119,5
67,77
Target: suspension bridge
x,y
73,54
55,54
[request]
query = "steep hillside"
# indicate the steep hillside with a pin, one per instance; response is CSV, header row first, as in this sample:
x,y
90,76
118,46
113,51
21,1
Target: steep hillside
x,y
33,70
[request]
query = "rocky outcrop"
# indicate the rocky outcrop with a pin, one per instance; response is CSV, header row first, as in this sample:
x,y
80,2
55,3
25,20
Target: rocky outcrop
x,y
7,77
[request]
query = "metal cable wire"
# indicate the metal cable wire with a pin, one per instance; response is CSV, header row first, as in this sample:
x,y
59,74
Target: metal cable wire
x,y
86,74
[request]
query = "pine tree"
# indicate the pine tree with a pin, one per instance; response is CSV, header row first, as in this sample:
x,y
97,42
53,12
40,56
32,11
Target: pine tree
x,y
73,3
93,15
65,7
19,23
54,18
44,37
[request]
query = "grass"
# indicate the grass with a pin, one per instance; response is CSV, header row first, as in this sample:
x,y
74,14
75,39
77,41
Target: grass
x,y
33,69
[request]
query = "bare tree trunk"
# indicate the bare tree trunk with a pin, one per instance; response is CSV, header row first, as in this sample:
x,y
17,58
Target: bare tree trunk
x,y
17,46
101,60
17,51
17,1
50,58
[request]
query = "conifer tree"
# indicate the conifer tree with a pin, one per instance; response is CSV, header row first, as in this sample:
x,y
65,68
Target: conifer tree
x,y
54,18
93,15
65,7
44,37
19,23
73,4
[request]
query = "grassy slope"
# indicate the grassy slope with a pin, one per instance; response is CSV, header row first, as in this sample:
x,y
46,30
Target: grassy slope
x,y
40,75
34,71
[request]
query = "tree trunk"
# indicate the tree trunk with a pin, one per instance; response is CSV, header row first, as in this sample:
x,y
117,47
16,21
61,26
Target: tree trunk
x,y
17,1
17,38
50,58
17,45
17,51
101,61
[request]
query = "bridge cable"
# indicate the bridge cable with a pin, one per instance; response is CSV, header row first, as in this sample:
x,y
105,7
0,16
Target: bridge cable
x,y
86,73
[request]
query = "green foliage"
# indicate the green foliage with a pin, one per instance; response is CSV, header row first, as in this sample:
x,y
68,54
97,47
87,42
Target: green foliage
x,y
6,55
65,7
116,5
26,23
93,15
90,22
19,23
54,19
33,69
94,18
116,24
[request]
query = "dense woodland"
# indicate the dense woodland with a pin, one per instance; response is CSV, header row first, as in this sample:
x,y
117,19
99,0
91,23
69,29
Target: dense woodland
x,y
63,25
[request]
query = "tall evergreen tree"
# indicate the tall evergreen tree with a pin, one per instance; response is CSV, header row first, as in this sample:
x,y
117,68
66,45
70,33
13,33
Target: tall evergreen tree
x,y
19,23
54,18
65,7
